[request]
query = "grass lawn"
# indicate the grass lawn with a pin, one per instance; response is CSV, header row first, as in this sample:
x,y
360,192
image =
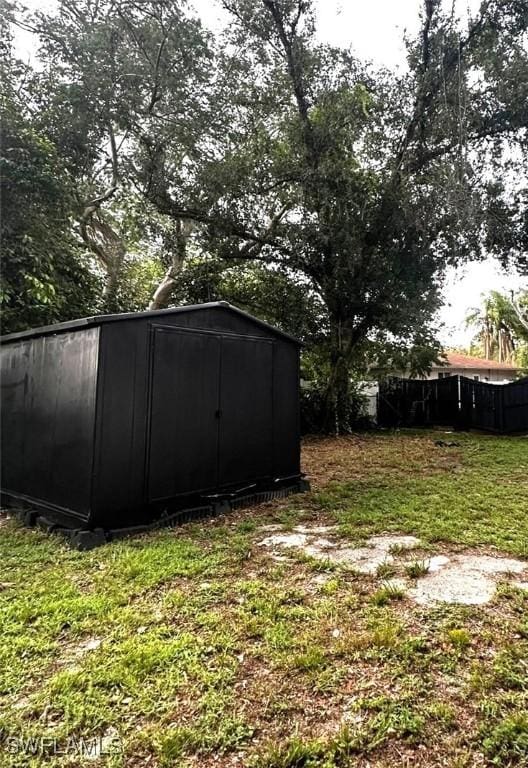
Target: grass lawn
x,y
194,647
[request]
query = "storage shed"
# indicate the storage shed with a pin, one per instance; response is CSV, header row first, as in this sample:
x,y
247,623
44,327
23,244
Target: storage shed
x,y
116,421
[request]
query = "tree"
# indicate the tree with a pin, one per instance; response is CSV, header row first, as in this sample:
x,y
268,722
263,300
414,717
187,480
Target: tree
x,y
520,305
501,330
272,294
44,277
365,183
265,147
116,73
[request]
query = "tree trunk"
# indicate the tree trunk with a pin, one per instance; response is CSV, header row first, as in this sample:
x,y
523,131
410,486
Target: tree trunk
x,y
336,416
110,303
163,292
176,244
107,244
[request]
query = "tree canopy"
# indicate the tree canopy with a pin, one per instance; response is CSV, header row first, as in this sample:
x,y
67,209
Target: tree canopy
x,y
45,275
261,165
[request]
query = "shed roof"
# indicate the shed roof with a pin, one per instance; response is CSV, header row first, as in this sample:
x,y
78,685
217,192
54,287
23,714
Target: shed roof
x,y
455,360
88,322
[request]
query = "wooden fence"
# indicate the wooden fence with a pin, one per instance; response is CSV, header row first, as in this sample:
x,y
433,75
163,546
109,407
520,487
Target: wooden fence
x,y
454,401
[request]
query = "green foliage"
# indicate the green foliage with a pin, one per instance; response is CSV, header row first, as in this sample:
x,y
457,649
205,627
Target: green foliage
x,y
45,277
316,399
386,570
295,754
506,743
312,659
417,569
502,327
459,638
212,733
151,62
388,593
264,290
138,280
314,409
342,749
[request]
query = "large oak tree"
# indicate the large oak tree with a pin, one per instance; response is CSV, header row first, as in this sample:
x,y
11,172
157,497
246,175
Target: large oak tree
x,y
358,185
366,183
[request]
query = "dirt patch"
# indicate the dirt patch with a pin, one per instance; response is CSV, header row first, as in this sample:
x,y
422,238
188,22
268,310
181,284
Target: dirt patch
x,y
465,578
73,653
285,540
352,458
388,543
364,560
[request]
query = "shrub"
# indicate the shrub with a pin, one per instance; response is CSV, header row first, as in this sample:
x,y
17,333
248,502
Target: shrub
x,y
313,410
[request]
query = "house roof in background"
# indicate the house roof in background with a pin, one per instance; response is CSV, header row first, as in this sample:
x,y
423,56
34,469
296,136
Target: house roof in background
x,y
455,360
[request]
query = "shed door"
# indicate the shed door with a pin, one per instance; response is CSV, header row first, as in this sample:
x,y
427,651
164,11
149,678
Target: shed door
x,y
211,411
184,413
246,420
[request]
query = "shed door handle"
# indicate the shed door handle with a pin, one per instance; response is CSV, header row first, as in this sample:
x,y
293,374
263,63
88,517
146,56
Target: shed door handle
x,y
218,414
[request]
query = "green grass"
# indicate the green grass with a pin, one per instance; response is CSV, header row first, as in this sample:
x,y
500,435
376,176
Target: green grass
x,y
387,593
196,648
480,491
417,569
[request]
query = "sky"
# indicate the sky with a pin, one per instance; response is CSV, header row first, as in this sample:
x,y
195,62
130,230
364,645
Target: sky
x,y
374,29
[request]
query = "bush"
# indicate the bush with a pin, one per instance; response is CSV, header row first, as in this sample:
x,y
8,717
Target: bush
x,y
313,411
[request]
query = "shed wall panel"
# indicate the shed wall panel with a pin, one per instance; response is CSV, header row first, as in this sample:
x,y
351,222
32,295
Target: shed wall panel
x,y
48,408
122,415
286,410
183,431
246,408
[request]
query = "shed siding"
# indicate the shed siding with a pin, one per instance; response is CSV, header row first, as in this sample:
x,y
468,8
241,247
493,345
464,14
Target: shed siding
x,y
246,405
286,410
119,482
183,430
100,421
49,391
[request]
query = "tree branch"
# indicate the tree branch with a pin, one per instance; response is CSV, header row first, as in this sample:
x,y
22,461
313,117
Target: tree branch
x,y
295,73
426,94
522,319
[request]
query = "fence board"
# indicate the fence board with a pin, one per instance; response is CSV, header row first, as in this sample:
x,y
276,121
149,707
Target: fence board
x,y
454,401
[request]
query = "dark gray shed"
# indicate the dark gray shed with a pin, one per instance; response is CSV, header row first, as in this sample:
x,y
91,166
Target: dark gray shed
x,y
115,421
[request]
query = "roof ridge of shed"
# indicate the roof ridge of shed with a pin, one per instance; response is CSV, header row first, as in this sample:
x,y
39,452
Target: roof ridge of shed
x,y
94,320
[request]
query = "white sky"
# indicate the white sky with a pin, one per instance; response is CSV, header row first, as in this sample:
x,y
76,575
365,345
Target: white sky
x,y
374,29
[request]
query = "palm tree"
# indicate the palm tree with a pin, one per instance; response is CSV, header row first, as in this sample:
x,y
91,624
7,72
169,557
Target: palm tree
x,y
499,326
520,305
